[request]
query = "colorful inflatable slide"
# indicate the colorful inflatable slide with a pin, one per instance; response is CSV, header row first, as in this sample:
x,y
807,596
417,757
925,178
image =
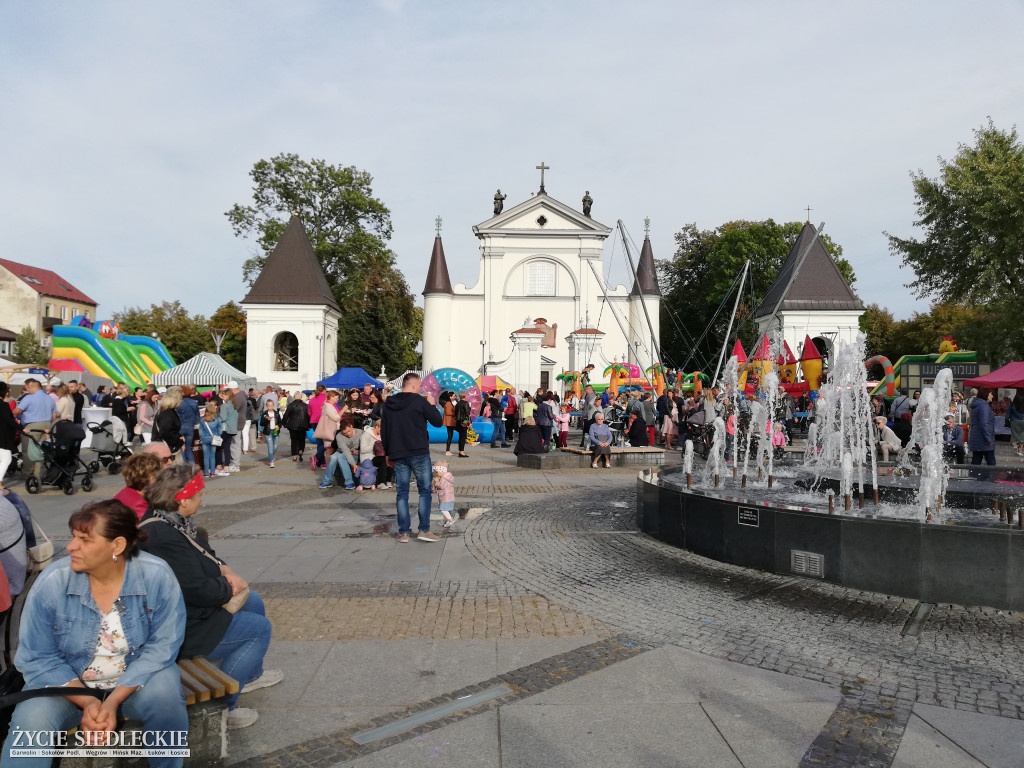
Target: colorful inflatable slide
x,y
131,359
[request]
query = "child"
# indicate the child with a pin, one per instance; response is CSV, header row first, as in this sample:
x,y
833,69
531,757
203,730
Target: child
x,y
208,430
562,422
778,440
366,476
730,432
444,486
270,428
380,461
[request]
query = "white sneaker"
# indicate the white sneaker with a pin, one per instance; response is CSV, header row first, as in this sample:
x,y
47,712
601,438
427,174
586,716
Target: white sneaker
x,y
241,717
234,469
268,678
222,473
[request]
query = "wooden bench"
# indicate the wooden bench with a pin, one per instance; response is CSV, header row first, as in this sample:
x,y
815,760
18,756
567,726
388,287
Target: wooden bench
x,y
202,681
575,458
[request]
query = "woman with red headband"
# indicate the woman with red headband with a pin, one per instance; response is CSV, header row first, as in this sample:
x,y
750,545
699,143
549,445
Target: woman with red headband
x,y
225,620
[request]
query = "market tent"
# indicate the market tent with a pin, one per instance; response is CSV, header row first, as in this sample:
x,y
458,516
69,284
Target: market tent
x,y
204,370
1010,375
349,378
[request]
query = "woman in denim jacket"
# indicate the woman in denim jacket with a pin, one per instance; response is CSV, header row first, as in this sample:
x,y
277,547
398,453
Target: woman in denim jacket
x,y
107,617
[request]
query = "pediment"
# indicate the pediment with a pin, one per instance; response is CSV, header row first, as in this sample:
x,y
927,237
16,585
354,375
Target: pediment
x,y
541,213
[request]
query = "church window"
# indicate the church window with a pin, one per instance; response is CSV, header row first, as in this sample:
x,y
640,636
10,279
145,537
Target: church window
x,y
540,278
286,352
542,220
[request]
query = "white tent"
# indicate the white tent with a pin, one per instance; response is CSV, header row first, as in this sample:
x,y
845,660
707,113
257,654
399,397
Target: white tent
x,y
204,370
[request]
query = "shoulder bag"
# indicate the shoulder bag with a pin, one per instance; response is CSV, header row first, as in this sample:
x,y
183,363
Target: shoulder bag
x,y
234,605
215,440
41,554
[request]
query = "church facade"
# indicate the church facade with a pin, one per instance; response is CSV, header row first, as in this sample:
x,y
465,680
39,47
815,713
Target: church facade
x,y
540,305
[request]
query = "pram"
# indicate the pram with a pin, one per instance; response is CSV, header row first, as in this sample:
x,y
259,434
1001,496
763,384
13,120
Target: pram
x,y
60,458
109,440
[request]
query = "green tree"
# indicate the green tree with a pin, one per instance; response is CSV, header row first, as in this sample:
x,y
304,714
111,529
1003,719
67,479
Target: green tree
x,y
184,335
28,350
972,251
696,281
349,229
231,318
880,327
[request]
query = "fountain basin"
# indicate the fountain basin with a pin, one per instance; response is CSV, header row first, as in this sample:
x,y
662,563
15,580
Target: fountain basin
x,y
979,563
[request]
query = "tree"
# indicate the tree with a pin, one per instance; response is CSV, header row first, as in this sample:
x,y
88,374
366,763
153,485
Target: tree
x,y
349,229
184,335
28,350
697,280
231,318
880,327
972,252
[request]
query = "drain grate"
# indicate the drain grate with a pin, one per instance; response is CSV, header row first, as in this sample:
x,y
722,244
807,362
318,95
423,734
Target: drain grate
x,y
807,563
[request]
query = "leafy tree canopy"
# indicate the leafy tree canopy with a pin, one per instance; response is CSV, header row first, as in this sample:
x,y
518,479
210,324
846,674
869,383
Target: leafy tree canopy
x,y
184,335
348,229
696,281
972,215
28,350
231,318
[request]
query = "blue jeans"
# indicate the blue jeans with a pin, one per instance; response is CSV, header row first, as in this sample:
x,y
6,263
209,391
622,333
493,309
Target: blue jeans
x,y
244,645
209,458
271,446
159,704
545,437
404,468
338,460
186,449
320,450
499,431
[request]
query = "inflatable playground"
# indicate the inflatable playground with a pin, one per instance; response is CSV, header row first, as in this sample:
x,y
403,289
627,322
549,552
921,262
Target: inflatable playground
x,y
99,349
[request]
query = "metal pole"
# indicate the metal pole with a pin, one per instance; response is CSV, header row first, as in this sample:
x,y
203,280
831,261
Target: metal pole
x,y
728,332
655,346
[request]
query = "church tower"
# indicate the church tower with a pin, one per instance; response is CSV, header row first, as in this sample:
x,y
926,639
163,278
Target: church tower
x,y
291,316
437,309
645,295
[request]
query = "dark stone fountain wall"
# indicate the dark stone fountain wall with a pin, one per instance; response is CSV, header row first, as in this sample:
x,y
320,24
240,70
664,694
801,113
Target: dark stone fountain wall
x,y
934,563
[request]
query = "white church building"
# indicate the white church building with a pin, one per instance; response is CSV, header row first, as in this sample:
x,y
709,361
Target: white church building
x,y
540,305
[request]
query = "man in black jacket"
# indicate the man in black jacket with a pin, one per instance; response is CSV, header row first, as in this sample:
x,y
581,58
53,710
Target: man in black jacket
x,y
403,434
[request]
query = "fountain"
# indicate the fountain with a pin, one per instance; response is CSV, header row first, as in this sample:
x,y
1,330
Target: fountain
x,y
929,532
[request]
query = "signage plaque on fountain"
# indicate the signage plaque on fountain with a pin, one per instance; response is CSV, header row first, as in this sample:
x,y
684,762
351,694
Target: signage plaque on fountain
x,y
748,516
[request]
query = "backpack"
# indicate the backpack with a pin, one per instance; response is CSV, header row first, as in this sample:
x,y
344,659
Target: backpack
x,y
510,409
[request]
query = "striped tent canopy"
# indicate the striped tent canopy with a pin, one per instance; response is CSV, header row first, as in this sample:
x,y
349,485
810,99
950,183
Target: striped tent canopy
x,y
204,370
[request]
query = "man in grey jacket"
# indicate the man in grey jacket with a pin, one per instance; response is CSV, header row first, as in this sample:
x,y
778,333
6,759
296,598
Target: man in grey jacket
x,y
241,403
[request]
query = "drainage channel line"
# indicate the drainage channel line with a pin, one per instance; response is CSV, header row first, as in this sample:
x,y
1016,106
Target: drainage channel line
x,y
766,590
917,620
429,715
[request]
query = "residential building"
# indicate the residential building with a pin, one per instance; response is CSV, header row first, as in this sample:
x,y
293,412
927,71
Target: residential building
x,y
39,299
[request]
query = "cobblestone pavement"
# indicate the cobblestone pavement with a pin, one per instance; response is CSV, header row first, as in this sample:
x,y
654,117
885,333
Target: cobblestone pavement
x,y
587,556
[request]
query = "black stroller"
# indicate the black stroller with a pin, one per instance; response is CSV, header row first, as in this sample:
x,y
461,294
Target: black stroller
x,y
59,454
110,447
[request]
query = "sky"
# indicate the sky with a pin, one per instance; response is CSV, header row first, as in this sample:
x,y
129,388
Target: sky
x,y
128,129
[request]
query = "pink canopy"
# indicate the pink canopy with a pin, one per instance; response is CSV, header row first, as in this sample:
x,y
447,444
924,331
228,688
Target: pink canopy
x,y
1010,375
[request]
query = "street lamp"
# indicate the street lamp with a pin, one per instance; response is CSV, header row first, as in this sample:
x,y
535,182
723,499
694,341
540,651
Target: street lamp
x,y
218,335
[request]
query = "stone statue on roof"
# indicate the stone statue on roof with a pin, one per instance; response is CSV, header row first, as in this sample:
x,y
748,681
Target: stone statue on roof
x,y
499,202
588,201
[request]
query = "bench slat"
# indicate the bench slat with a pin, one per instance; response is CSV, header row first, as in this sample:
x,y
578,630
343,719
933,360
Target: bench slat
x,y
215,686
193,688
230,684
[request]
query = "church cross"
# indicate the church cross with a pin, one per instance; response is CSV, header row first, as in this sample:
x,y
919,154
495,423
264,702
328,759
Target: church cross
x,y
647,226
437,225
542,168
809,209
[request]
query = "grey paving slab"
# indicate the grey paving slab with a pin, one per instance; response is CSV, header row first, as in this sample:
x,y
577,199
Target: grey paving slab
x,y
924,747
359,566
415,561
300,661
296,568
649,735
713,680
394,673
768,733
263,546
995,741
458,563
327,545
471,743
269,522
252,567
650,678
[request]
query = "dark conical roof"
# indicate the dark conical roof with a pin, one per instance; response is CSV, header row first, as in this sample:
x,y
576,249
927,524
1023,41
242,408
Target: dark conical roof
x,y
437,274
646,283
292,274
814,284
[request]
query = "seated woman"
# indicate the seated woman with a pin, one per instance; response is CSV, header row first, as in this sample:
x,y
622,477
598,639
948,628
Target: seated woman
x,y
107,617
637,434
238,639
530,438
138,471
13,544
600,441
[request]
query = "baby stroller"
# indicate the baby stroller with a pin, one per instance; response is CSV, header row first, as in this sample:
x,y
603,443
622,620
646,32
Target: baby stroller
x,y
60,458
109,440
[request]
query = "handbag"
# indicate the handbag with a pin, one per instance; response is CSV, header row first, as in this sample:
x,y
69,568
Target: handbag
x,y
138,429
235,603
215,440
41,554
